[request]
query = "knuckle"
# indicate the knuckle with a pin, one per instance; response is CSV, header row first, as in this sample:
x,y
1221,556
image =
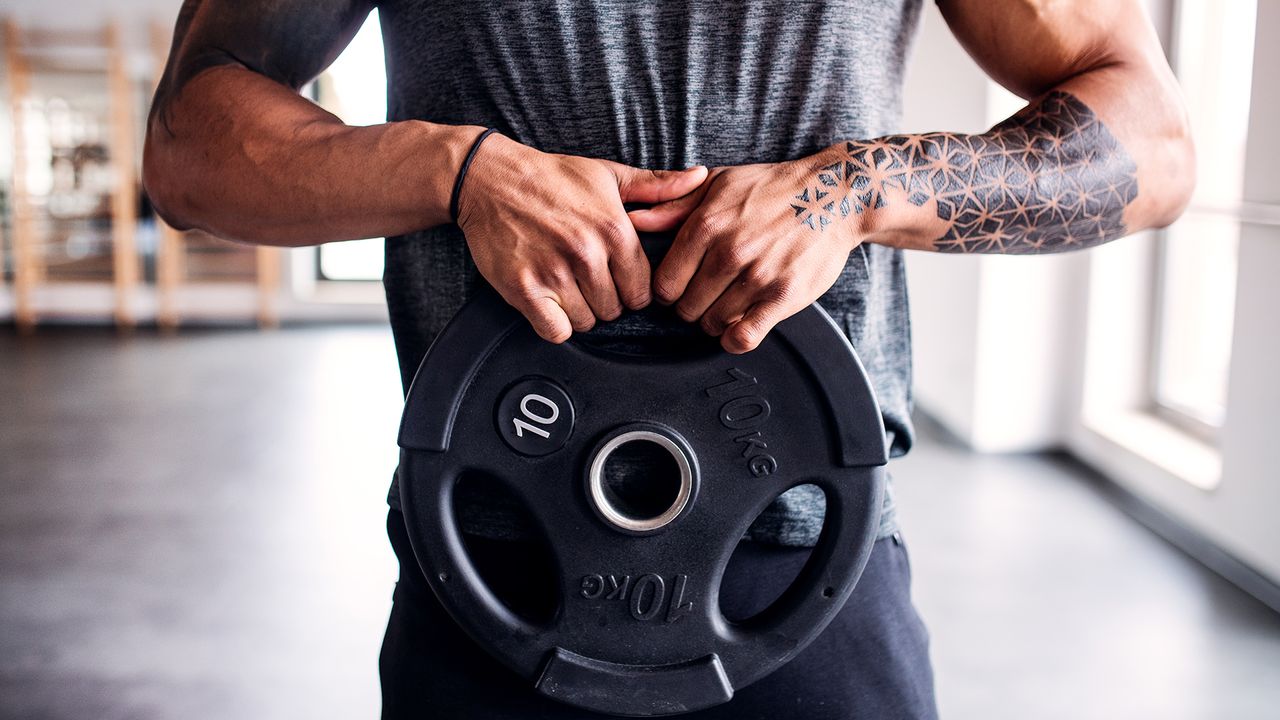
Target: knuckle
x,y
731,257
610,311
580,251
758,325
712,324
633,288
547,328
665,286
781,293
596,279
706,228
636,298
614,233
558,335
553,283
747,336
756,276
687,312
526,286
666,293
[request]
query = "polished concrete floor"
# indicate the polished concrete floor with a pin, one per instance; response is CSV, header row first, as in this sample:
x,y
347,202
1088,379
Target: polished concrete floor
x,y
192,527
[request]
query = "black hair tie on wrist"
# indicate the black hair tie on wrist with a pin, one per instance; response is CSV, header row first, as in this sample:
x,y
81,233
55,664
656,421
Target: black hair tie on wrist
x,y
462,173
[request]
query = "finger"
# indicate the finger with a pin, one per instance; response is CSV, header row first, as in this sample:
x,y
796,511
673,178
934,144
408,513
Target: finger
x,y
575,307
667,216
721,266
730,307
590,265
602,297
682,259
629,266
747,334
547,317
655,186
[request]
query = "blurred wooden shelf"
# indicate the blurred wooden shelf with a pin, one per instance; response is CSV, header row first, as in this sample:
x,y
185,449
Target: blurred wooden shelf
x,y
73,236
99,247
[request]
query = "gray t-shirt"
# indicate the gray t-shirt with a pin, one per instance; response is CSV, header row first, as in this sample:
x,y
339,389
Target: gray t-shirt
x,y
659,85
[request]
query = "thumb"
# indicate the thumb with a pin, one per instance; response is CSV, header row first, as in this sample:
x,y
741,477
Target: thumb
x,y
666,216
655,186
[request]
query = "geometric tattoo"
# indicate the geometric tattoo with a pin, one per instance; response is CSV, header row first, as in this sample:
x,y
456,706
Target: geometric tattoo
x,y
1048,179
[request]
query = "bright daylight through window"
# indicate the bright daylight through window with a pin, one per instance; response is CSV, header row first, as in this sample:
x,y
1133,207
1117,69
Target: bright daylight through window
x,y
355,88
1213,52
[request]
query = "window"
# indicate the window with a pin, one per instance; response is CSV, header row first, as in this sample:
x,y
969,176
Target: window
x,y
355,89
1213,57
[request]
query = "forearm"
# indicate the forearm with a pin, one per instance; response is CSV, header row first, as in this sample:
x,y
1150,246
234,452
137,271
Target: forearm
x,y
246,158
1090,161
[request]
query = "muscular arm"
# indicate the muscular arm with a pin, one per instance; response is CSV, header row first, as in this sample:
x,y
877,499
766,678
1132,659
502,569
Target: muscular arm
x,y
1101,151
232,147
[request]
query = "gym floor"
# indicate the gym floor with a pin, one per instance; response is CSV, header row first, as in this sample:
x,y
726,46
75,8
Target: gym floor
x,y
192,526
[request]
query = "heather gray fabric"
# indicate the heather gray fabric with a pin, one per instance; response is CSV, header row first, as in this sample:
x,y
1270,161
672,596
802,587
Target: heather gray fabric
x,y
658,85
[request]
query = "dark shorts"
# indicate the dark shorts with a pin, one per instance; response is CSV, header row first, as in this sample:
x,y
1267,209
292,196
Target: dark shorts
x,y
871,662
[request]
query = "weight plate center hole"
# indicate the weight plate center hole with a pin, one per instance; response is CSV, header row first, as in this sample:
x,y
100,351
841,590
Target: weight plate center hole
x,y
640,481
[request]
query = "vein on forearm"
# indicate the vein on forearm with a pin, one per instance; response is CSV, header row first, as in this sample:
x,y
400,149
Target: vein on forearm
x,y
1051,178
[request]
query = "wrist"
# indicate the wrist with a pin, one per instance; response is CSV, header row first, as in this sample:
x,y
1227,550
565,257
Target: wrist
x,y
491,170
446,146
829,171
461,177
877,189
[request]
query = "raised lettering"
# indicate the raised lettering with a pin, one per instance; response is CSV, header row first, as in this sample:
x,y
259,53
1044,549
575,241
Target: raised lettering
x,y
744,412
679,608
752,442
761,465
739,380
659,593
618,588
592,586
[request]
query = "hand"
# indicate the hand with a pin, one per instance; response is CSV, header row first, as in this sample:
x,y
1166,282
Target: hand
x,y
750,251
550,234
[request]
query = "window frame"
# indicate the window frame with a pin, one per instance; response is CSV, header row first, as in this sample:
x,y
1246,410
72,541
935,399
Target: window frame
x,y
1185,418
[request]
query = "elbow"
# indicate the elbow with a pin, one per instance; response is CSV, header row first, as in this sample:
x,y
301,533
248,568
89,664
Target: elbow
x,y
1181,180
1174,170
180,187
163,179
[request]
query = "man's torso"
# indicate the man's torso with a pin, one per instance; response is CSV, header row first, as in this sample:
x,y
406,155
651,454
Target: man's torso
x,y
659,85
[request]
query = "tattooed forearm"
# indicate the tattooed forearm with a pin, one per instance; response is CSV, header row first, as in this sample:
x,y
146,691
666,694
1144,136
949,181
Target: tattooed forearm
x,y
1051,178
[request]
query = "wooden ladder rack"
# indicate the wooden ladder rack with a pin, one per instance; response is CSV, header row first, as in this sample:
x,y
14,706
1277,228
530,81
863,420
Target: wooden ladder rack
x,y
38,51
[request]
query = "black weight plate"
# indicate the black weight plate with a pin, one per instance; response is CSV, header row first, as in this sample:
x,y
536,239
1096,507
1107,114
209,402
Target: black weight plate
x,y
639,630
